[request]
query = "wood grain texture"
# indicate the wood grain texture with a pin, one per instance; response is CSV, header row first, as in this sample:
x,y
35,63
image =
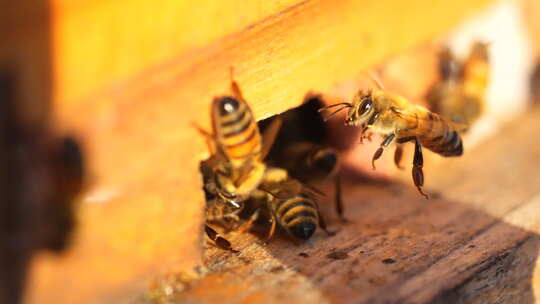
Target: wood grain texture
x,y
478,231
130,77
101,42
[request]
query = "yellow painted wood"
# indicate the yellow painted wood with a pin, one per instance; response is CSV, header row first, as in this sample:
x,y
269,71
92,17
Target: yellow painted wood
x,y
98,43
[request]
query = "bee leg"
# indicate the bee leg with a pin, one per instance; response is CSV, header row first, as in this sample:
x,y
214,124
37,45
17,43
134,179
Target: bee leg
x,y
220,241
247,225
230,222
418,163
399,149
322,222
272,230
210,138
387,140
339,198
397,156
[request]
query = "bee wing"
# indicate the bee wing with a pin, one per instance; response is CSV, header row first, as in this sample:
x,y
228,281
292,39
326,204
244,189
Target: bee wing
x,y
284,189
270,135
311,191
459,127
299,187
428,116
281,193
290,187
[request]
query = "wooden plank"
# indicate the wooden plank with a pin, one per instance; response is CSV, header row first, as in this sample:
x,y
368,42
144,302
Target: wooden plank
x,y
123,38
507,279
130,88
400,248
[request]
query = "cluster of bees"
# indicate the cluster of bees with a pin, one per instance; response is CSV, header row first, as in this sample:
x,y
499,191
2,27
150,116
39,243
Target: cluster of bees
x,y
241,185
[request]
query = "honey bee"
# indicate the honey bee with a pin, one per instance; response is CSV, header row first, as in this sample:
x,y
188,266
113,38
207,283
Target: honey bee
x,y
397,119
312,163
235,168
67,175
534,84
460,95
290,205
301,151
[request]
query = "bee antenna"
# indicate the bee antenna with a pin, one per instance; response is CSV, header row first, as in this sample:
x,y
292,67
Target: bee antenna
x,y
334,105
375,80
343,104
326,118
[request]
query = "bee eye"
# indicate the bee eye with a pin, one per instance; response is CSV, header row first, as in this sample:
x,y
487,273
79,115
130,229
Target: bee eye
x,y
366,106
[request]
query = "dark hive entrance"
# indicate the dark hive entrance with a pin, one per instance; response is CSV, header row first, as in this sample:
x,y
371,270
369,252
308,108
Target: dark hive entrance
x,y
301,124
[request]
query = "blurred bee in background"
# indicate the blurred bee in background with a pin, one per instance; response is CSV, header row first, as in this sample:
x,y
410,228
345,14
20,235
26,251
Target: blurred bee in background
x,y
291,206
397,119
459,96
68,179
301,150
535,84
235,168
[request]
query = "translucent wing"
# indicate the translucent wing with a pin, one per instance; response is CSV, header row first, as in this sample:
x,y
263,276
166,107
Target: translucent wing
x,y
424,114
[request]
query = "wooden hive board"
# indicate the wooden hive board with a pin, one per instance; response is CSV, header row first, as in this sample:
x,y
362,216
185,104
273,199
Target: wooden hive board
x,y
475,241
130,77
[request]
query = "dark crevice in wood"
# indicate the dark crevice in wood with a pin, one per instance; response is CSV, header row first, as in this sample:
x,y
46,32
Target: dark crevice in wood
x,y
302,123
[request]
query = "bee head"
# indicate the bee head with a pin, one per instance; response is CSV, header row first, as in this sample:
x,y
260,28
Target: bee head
x,y
325,160
226,105
361,110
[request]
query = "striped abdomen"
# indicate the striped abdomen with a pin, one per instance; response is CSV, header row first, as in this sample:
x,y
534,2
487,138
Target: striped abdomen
x,y
439,136
298,215
236,130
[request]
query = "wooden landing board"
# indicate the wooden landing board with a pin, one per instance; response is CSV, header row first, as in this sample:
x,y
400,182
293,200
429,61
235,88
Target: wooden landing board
x,y
480,230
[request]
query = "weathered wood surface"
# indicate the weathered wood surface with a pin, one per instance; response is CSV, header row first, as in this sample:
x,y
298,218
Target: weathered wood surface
x,y
475,241
130,77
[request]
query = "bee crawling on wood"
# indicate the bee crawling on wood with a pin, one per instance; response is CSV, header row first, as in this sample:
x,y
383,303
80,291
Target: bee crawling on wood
x,y
397,119
312,163
301,150
235,168
460,94
290,204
